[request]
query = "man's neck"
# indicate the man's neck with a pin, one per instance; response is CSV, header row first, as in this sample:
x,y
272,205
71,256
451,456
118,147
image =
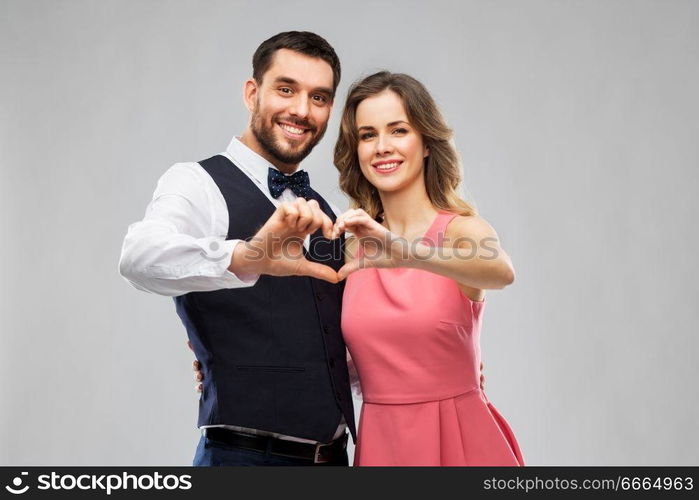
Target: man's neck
x,y
249,140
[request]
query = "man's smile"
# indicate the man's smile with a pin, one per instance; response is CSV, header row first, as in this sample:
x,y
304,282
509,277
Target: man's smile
x,y
293,131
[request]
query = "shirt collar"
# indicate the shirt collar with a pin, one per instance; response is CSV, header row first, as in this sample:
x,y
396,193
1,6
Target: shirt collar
x,y
245,157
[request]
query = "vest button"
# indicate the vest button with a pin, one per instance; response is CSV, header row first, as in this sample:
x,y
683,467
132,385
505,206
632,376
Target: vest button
x,y
320,295
326,329
338,394
332,363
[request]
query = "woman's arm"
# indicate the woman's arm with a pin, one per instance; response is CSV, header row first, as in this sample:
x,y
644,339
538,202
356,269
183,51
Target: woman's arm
x,y
471,255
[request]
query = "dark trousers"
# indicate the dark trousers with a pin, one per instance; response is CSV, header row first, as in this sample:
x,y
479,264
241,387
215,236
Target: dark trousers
x,y
215,454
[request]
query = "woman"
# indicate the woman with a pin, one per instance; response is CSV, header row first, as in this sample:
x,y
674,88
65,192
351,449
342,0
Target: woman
x,y
416,273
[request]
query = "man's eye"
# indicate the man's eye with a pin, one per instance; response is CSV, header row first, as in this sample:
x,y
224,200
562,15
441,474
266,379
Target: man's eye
x,y
285,90
320,98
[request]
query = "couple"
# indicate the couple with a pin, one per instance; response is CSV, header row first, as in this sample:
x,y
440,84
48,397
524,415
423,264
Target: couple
x,y
256,259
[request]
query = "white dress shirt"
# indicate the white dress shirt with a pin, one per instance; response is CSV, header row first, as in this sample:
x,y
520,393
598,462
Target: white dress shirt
x,y
180,245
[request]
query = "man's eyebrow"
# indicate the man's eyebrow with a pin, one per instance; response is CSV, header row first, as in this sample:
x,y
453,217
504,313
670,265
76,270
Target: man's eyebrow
x,y
285,79
325,90
290,81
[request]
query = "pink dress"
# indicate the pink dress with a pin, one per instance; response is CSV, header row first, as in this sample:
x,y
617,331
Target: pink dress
x,y
414,339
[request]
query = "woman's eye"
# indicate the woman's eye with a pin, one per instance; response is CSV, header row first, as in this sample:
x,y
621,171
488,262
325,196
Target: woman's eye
x,y
400,131
365,136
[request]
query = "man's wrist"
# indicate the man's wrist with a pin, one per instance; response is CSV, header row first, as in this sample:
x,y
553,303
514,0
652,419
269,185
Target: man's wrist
x,y
242,264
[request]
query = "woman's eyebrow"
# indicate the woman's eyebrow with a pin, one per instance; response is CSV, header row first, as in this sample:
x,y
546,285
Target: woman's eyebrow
x,y
392,124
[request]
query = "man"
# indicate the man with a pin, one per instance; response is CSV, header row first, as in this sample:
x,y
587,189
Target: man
x,y
263,316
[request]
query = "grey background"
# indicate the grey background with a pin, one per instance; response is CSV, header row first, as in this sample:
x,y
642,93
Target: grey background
x,y
577,126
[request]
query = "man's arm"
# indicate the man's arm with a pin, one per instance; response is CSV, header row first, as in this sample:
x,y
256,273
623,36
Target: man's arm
x,y
180,245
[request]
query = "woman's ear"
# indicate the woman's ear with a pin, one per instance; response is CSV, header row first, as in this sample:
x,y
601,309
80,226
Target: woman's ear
x,y
426,152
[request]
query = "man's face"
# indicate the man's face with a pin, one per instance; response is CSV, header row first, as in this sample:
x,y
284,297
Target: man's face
x,y
292,105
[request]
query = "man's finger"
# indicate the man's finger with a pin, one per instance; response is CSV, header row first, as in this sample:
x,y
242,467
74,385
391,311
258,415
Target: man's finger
x,y
290,213
316,217
316,270
305,215
327,225
189,344
199,387
321,220
196,365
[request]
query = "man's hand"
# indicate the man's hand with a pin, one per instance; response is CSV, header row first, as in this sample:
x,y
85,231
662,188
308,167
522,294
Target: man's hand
x,y
277,248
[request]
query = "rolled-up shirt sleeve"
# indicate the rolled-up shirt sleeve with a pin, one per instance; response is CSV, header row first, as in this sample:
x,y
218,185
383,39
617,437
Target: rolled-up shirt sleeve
x,y
180,245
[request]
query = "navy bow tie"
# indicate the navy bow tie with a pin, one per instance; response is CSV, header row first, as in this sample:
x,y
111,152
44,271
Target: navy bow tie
x,y
298,182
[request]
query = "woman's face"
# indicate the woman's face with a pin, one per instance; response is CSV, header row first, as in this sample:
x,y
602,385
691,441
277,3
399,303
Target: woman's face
x,y
391,151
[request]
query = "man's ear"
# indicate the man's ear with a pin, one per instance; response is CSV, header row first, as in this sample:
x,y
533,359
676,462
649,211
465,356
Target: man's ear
x,y
250,90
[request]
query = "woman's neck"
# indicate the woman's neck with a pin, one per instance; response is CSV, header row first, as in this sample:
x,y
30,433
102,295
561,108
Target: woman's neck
x,y
408,211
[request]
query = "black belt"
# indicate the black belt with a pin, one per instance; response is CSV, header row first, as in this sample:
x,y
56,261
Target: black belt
x,y
316,453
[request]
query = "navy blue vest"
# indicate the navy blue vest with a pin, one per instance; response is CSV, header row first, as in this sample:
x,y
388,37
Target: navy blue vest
x,y
272,354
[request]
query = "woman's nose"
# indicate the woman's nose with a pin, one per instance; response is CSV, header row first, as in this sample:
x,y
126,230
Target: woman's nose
x,y
384,144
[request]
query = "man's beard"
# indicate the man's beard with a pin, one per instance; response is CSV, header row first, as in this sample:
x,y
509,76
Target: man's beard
x,y
264,134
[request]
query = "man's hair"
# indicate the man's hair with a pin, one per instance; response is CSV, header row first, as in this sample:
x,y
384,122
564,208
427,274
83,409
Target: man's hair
x,y
304,42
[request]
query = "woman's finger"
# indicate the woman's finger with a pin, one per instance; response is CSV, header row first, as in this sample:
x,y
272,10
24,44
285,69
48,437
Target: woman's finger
x,y
348,269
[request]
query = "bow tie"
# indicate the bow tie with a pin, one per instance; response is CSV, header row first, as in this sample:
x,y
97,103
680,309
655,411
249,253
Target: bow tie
x,y
298,182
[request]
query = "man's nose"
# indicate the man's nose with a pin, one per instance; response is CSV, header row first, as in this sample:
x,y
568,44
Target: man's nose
x,y
299,106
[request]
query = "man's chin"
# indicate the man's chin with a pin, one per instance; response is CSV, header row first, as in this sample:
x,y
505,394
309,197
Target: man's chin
x,y
293,147
291,154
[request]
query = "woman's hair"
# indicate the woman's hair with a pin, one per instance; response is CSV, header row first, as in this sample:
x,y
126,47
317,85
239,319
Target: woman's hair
x,y
442,170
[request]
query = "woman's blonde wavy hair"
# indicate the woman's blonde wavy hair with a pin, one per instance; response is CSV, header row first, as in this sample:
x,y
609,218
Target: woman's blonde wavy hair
x,y
442,169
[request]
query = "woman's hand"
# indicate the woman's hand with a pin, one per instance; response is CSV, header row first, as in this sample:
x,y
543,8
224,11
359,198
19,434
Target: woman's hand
x,y
198,374
379,247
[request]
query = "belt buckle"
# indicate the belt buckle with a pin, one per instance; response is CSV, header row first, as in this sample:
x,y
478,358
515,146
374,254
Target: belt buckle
x,y
316,455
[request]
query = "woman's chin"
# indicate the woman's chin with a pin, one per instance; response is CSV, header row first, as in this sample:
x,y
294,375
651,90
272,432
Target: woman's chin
x,y
389,185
